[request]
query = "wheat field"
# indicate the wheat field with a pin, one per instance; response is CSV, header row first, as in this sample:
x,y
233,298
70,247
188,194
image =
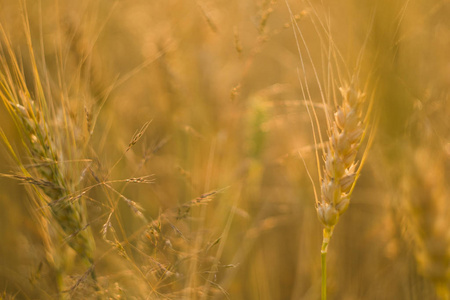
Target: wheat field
x,y
255,149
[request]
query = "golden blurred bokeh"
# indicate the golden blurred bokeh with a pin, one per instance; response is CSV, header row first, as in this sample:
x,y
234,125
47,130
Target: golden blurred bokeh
x,y
185,133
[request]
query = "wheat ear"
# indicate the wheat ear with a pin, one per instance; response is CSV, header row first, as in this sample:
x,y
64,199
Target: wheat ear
x,y
341,169
48,141
426,210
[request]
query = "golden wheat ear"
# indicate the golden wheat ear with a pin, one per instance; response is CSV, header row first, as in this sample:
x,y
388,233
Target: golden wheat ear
x,y
340,165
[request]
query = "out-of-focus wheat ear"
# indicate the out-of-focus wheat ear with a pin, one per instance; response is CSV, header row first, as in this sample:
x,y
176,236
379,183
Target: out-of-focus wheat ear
x,y
35,118
426,208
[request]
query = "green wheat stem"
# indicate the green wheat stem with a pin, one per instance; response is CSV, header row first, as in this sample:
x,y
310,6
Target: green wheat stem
x,y
327,233
324,275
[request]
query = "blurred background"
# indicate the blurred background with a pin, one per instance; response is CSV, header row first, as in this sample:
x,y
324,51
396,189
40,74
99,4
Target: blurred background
x,y
230,212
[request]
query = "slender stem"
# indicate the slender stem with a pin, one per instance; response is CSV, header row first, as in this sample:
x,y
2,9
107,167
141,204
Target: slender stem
x,y
324,276
327,233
